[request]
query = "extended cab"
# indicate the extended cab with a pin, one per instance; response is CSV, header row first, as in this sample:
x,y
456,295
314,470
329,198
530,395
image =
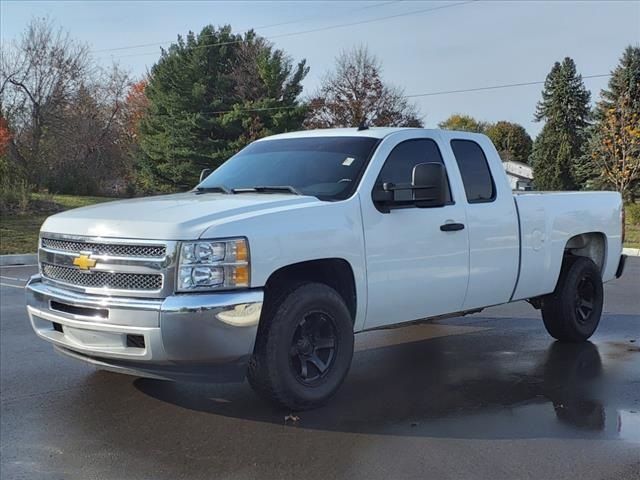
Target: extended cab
x,y
272,263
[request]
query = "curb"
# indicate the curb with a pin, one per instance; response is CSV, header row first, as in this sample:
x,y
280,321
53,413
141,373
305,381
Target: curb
x,y
20,259
632,252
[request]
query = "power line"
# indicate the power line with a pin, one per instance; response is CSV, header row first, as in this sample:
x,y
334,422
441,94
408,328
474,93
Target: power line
x,y
415,95
494,87
305,19
261,27
321,29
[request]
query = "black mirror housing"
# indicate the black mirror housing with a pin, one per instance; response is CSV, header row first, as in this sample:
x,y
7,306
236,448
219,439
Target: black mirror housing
x,y
429,185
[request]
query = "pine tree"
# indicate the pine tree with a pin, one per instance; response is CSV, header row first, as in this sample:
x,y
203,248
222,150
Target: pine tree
x,y
615,138
209,95
560,145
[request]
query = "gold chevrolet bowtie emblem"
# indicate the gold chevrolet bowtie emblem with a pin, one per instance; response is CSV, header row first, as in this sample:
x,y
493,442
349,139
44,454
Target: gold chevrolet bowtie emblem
x,y
83,262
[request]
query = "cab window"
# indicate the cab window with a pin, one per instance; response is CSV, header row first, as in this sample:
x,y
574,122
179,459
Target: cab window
x,y
474,170
398,167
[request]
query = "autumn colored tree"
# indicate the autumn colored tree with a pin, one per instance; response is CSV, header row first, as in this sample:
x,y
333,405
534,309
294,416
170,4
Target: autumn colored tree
x,y
355,93
615,144
135,108
40,73
63,111
5,136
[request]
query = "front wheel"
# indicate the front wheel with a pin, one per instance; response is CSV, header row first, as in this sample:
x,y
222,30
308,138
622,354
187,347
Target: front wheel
x,y
572,312
304,348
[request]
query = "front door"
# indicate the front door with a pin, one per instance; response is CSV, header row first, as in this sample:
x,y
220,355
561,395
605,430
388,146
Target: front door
x,y
414,268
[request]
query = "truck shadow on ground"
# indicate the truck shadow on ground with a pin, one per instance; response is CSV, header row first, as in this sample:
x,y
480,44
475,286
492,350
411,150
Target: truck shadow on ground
x,y
455,387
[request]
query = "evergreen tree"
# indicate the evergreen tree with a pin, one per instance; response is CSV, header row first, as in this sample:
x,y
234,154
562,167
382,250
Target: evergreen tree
x,y
614,158
560,145
211,94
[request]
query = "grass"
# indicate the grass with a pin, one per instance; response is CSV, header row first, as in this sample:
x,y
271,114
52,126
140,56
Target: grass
x,y
67,202
632,235
19,233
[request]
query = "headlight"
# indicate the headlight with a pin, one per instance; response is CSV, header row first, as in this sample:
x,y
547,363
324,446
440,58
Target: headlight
x,y
212,265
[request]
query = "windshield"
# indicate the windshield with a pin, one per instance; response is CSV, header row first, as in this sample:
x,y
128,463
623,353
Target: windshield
x,y
326,167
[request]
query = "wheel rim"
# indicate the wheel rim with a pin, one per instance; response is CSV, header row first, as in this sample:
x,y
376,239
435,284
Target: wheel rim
x,y
585,299
313,347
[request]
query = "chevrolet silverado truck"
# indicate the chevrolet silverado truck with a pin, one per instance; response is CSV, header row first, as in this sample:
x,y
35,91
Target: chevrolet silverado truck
x,y
278,257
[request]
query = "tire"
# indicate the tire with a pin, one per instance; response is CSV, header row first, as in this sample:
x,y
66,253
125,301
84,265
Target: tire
x,y
572,312
306,329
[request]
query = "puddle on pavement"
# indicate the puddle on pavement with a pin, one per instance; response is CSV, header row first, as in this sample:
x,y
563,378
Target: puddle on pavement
x,y
445,387
586,420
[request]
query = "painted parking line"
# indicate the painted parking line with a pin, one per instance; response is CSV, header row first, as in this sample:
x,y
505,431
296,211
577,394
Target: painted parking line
x,y
14,279
9,285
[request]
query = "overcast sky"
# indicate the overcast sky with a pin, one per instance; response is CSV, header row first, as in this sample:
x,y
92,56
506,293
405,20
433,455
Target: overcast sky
x,y
462,46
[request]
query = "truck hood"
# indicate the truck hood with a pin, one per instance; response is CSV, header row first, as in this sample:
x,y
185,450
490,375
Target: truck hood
x,y
182,216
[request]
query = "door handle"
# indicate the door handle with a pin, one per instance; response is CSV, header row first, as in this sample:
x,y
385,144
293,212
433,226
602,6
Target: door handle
x,y
452,227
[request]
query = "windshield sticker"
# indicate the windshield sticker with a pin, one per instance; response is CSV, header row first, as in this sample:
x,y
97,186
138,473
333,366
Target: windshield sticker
x,y
348,161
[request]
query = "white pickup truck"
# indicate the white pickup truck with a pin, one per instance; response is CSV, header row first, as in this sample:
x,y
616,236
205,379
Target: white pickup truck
x,y
272,263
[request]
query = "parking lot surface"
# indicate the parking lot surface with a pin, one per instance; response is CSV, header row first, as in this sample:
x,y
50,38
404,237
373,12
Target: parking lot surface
x,y
490,395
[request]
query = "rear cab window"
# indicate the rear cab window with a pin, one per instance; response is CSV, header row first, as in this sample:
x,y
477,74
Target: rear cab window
x,y
474,170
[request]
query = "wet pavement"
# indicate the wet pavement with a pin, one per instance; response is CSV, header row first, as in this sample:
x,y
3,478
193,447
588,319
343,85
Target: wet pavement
x,y
490,396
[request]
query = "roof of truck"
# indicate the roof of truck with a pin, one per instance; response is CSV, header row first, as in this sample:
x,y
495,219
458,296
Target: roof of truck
x,y
374,132
371,132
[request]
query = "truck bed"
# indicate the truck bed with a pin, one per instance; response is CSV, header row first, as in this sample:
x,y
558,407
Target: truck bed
x,y
548,220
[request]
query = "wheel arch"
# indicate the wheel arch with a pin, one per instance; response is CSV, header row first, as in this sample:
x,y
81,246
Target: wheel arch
x,y
592,245
337,273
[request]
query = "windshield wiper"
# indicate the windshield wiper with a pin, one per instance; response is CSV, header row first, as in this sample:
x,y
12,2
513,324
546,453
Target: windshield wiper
x,y
215,188
268,189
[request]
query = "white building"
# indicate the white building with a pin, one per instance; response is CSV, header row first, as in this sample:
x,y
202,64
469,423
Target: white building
x,y
520,175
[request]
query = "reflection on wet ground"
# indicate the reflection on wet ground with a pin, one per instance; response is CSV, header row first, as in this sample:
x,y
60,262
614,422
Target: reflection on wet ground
x,y
489,396
443,387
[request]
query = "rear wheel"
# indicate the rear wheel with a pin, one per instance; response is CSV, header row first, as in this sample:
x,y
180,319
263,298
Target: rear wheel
x,y
572,312
304,347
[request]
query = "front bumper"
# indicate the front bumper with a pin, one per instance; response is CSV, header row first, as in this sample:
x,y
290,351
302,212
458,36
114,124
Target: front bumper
x,y
181,336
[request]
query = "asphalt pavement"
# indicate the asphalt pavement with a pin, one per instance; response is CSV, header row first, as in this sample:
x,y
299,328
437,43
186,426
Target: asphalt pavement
x,y
488,396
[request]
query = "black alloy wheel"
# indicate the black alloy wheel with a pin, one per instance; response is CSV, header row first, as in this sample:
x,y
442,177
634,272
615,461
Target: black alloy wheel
x,y
304,346
313,347
572,312
585,299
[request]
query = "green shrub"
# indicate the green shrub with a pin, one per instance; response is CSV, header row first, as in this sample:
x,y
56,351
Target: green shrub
x,y
15,192
632,213
14,198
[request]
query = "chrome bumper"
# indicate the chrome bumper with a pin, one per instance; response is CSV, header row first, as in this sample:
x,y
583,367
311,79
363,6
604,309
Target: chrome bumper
x,y
181,333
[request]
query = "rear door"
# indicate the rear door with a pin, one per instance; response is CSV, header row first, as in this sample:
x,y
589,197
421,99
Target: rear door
x,y
492,221
414,269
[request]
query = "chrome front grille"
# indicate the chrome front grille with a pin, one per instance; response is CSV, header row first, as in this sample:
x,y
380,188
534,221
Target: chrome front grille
x,y
109,249
112,266
99,279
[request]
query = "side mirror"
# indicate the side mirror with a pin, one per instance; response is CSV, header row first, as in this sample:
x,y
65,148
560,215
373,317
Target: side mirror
x,y
383,195
429,185
205,173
